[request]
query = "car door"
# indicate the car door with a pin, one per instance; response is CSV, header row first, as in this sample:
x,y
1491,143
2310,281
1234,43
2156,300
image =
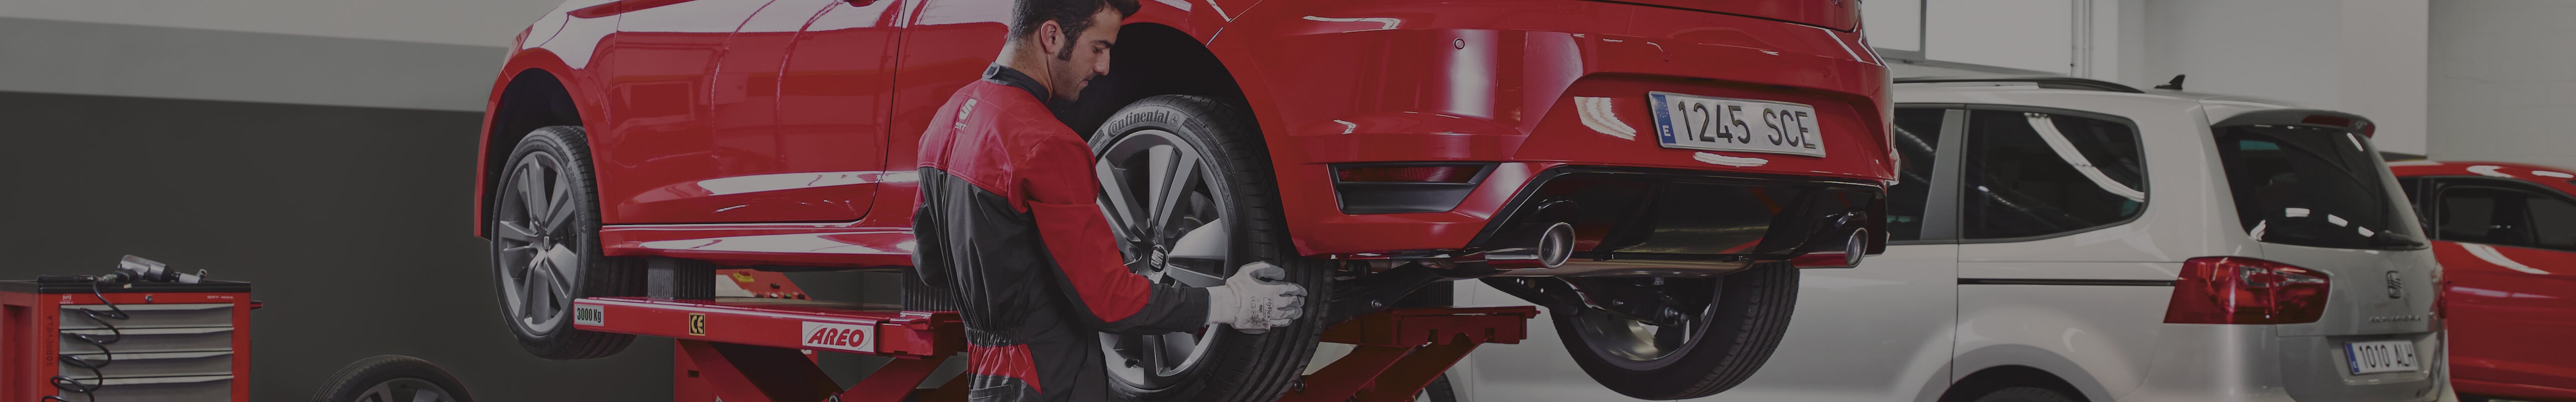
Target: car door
x,y
763,176
2506,248
2065,261
1876,332
835,97
946,45
660,141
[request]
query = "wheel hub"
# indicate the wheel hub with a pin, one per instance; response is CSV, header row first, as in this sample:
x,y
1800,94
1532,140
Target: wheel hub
x,y
1160,257
1640,325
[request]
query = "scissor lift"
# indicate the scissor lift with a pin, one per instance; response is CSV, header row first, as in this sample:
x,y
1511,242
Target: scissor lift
x,y
751,349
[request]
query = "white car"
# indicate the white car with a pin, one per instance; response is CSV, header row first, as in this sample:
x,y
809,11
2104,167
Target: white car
x,y
2059,239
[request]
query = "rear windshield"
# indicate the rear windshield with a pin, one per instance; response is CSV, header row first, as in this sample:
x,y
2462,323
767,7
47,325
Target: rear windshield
x,y
2313,187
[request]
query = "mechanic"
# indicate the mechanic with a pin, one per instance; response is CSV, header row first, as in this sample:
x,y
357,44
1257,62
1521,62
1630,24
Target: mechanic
x,y
1008,222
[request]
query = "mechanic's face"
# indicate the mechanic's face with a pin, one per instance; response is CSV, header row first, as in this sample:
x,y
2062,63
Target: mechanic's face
x,y
1087,58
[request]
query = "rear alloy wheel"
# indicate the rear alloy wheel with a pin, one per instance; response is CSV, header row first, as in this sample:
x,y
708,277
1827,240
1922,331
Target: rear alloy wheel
x,y
1187,190
1728,328
545,247
392,378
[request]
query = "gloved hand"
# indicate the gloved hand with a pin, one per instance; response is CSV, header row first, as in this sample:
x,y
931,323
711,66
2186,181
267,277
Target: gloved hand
x,y
1256,299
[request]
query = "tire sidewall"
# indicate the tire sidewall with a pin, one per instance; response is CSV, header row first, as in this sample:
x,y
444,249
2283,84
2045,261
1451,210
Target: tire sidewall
x,y
1230,143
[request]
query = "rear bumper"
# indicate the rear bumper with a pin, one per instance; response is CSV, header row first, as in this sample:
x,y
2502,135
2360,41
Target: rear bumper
x,y
2251,363
1530,86
1637,220
2314,370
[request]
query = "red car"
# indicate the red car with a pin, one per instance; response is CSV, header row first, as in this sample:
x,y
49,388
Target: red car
x,y
1652,170
2506,236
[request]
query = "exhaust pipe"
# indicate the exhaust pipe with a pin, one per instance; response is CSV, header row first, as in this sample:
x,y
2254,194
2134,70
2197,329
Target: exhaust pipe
x,y
1853,247
1542,246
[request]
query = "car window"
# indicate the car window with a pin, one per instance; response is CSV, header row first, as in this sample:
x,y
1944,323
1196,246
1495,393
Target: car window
x,y
2485,212
1918,132
2553,221
2414,187
2312,186
2476,215
2038,174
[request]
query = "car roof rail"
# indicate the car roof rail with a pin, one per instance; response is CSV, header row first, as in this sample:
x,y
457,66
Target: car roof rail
x,y
2044,81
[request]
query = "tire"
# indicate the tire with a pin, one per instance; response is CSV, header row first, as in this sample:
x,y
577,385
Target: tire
x,y
1438,391
391,378
1221,364
566,236
1745,314
2025,394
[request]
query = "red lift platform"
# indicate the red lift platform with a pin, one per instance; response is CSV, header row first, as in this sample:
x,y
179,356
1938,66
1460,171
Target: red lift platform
x,y
750,349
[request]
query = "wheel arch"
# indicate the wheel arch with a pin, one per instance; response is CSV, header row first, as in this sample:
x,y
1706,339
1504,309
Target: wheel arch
x,y
532,98
2017,365
1154,59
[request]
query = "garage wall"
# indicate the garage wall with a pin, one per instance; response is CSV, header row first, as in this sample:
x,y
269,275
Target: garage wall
x,y
454,22
2361,56
89,58
2503,81
410,54
352,224
321,149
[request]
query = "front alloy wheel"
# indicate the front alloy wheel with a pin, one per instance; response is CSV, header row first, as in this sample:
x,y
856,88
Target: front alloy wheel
x,y
545,247
1186,186
1161,202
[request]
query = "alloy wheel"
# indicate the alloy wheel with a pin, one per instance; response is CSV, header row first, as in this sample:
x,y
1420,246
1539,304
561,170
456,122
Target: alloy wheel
x,y
1169,212
535,243
405,390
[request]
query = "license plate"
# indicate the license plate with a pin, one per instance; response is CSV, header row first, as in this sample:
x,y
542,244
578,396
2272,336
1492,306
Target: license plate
x,y
2380,356
1742,125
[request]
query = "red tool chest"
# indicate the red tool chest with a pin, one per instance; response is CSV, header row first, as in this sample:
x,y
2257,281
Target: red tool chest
x,y
176,342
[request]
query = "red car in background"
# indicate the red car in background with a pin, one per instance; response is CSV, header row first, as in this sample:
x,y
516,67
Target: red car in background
x,y
2506,236
1654,171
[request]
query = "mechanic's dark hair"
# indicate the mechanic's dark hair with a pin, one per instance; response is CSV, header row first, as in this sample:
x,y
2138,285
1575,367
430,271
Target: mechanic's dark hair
x,y
1073,15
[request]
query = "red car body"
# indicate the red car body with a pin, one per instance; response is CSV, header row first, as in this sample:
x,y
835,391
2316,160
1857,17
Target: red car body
x,y
781,132
2510,306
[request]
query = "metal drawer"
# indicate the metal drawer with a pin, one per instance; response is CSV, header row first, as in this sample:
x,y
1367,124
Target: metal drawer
x,y
196,388
156,364
144,340
153,315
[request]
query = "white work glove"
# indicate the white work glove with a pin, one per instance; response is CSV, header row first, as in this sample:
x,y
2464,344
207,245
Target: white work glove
x,y
1256,299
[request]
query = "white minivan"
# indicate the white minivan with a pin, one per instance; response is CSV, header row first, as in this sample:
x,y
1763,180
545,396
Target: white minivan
x,y
2058,239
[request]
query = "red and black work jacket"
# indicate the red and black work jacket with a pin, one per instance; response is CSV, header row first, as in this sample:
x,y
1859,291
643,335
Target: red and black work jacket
x,y
1009,219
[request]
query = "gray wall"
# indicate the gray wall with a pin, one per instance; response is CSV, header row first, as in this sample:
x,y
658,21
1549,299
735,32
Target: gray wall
x,y
351,223
132,60
321,149
2504,81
